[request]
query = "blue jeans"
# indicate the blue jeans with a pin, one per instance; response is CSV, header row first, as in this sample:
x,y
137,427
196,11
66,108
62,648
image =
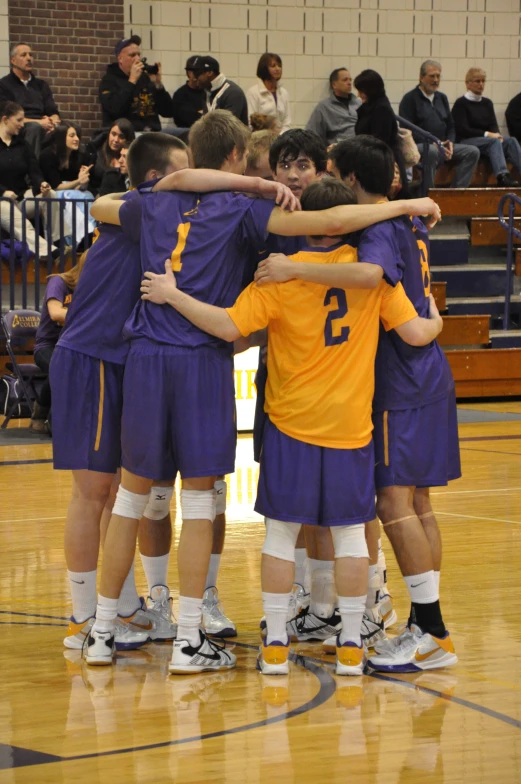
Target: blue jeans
x,y
498,152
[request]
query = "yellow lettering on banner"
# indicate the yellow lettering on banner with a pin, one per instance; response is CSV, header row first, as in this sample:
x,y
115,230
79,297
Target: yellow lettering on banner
x,y
250,384
182,234
238,384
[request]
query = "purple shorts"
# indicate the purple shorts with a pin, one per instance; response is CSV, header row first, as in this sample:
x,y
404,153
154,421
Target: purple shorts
x,y
314,485
178,411
261,417
87,399
417,447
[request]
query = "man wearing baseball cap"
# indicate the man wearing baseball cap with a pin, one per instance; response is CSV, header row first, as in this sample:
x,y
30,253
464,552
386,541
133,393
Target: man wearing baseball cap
x,y
129,89
190,99
221,93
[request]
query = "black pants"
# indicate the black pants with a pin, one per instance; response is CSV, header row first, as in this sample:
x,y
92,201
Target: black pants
x,y
42,358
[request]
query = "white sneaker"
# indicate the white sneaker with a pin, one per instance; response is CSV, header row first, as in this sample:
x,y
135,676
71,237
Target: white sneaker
x,y
273,658
307,626
298,601
127,638
77,633
329,645
387,611
100,648
160,613
391,643
187,658
372,627
415,652
215,622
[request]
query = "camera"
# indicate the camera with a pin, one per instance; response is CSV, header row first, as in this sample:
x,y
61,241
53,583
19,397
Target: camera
x,y
150,69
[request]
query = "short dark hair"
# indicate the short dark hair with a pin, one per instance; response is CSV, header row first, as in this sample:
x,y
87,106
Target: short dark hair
x,y
264,64
333,76
324,194
213,138
369,159
295,142
370,83
151,150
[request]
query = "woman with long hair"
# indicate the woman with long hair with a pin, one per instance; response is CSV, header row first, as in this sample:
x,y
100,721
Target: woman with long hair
x,y
267,96
105,149
58,296
377,118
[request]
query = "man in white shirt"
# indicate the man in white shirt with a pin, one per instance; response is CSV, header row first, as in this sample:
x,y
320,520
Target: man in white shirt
x,y
334,118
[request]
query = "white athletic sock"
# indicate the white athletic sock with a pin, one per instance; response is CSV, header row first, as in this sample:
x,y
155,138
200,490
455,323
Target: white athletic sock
x,y
437,577
213,569
189,619
382,568
83,594
422,588
129,601
352,611
300,567
323,591
276,610
373,587
106,614
156,569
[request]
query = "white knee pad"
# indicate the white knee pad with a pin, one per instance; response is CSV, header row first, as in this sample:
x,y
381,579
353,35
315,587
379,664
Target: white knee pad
x,y
159,502
220,488
198,504
349,541
129,504
281,539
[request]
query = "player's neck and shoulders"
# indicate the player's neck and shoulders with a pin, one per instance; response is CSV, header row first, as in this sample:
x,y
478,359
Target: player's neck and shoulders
x,y
330,250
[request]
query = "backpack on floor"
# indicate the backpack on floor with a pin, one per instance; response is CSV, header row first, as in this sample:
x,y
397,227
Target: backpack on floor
x,y
9,394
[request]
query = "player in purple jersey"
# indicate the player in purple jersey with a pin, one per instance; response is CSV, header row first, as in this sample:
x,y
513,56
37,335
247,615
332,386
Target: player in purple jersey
x,y
416,440
191,426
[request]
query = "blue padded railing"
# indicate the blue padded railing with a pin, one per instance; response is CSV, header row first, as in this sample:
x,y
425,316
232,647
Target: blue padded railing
x,y
508,224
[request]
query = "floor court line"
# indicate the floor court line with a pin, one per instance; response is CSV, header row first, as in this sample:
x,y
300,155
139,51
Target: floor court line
x,y
478,492
475,517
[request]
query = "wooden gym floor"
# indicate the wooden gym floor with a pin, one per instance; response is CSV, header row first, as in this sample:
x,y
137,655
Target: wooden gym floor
x,y
63,722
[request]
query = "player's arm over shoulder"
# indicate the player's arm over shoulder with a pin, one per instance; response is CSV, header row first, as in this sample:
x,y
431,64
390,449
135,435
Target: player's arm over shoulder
x,y
106,208
397,312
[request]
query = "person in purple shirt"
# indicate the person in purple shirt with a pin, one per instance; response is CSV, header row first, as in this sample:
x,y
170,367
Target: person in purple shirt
x,y
191,425
415,424
58,297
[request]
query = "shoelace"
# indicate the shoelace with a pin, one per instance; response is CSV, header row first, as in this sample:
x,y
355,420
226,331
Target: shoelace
x,y
214,646
163,604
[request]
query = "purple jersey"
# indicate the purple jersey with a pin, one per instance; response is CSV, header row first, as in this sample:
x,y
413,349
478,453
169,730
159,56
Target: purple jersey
x,y
108,288
406,376
209,239
275,243
49,331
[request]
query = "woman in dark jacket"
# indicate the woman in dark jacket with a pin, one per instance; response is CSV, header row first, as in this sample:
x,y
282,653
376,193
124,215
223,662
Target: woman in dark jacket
x,y
105,150
377,118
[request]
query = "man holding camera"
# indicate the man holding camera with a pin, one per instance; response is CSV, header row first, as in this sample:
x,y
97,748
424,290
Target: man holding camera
x,y
133,89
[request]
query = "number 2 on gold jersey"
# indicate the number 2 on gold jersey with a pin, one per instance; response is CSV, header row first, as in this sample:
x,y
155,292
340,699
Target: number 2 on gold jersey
x,y
426,273
175,258
334,315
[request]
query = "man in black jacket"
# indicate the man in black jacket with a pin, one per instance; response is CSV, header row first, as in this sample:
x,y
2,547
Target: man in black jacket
x,y
221,93
428,108
127,90
513,117
34,96
190,99
476,124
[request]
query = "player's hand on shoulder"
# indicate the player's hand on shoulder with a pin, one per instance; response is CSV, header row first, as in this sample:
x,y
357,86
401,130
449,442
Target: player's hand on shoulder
x,y
425,206
281,194
277,268
159,288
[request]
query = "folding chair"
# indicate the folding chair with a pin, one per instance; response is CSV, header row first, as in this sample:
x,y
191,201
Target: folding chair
x,y
19,328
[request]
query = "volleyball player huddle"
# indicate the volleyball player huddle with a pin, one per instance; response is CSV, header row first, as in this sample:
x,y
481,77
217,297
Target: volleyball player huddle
x,y
148,384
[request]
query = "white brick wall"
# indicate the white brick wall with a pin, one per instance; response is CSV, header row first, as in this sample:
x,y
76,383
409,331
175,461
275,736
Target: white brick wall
x,y
315,36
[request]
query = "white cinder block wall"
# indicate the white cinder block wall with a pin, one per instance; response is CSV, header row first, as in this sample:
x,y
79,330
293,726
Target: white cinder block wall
x,y
315,36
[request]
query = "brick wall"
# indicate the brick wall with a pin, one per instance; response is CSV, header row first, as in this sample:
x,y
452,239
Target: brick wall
x,y
73,43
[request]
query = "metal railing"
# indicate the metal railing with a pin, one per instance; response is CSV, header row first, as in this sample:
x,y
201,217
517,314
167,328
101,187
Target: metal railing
x,y
58,233
512,232
427,140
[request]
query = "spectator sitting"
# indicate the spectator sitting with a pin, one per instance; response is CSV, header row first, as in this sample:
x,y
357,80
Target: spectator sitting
x,y
189,100
58,296
258,154
334,118
18,165
105,150
63,166
267,96
116,180
264,122
222,93
129,90
476,124
376,118
513,117
429,108
32,94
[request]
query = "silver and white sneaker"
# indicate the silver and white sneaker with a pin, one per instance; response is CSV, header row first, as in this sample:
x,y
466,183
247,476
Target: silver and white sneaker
x,y
187,658
416,652
391,643
308,627
160,612
215,622
298,601
100,648
372,628
126,637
